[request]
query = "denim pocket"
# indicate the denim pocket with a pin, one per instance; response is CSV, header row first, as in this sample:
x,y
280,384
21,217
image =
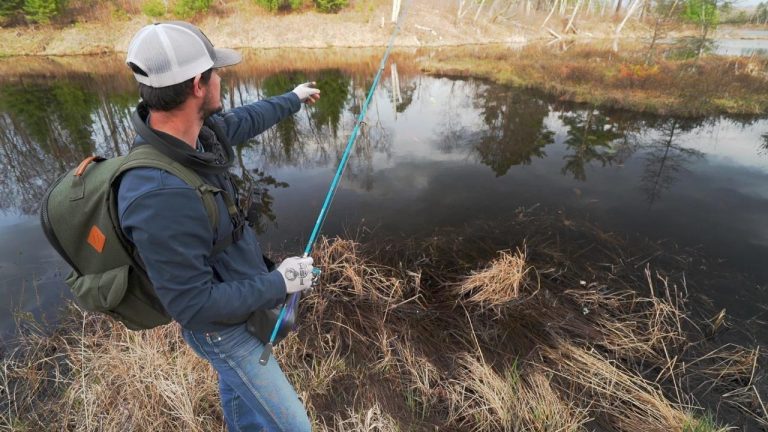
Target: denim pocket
x,y
232,341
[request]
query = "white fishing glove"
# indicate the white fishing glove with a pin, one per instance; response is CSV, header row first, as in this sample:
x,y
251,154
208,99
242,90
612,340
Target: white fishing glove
x,y
297,273
307,92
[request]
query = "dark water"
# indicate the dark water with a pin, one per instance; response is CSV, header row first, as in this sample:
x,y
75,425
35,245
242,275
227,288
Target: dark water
x,y
445,153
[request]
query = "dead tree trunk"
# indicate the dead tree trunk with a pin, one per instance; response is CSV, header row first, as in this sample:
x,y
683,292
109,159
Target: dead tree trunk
x,y
630,11
479,8
554,6
573,16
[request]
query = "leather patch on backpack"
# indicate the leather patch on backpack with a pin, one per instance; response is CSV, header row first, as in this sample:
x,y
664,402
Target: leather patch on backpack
x,y
96,239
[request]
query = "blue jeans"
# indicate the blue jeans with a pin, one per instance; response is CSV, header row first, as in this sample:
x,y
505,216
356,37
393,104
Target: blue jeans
x,y
253,397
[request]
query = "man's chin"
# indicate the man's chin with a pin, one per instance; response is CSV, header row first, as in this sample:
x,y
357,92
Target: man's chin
x,y
207,112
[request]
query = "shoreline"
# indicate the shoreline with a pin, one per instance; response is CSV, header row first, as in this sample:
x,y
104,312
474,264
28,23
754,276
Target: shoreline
x,y
254,29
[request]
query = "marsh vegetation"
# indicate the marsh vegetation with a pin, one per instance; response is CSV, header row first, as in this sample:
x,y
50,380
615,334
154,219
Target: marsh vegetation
x,y
536,339
484,290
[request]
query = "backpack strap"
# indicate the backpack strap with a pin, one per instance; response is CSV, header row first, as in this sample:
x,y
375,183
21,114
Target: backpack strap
x,y
146,156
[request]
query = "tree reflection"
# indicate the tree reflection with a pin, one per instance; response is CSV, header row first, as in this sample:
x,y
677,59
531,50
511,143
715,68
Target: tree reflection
x,y
515,132
665,159
48,125
287,130
334,86
46,129
54,116
407,92
590,138
256,198
326,113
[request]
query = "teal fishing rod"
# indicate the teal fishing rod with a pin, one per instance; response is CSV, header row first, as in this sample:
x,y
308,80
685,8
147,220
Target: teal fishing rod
x,y
290,305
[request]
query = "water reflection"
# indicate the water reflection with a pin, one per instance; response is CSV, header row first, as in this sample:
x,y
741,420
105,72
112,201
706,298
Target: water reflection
x,y
432,152
665,158
515,130
764,145
49,126
590,138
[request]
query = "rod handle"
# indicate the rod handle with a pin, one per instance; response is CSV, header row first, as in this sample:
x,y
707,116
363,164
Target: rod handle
x,y
264,359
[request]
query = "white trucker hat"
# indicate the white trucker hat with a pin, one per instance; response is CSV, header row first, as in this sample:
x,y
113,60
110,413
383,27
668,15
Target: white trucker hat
x,y
172,52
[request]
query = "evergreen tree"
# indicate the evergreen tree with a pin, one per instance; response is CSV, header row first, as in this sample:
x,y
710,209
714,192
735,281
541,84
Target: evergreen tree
x,y
281,5
188,8
330,6
9,8
41,11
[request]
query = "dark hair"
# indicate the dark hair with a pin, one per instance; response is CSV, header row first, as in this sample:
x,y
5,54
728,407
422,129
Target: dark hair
x,y
170,97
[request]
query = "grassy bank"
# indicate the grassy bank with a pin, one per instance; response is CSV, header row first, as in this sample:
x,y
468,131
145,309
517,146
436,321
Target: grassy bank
x,y
629,79
535,339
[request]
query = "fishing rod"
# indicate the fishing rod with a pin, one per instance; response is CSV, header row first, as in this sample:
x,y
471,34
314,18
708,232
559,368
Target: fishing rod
x,y
290,304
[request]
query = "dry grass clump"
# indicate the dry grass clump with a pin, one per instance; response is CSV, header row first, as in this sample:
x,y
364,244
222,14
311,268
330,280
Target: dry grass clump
x,y
733,371
498,284
104,377
637,328
511,400
731,365
402,347
370,420
624,400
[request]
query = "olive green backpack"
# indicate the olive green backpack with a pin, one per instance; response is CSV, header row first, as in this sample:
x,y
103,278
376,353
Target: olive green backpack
x,y
79,217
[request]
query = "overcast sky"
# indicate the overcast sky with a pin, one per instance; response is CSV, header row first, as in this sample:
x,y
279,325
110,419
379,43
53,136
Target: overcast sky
x,y
746,3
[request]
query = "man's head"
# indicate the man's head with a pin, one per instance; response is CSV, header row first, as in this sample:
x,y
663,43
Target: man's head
x,y
175,61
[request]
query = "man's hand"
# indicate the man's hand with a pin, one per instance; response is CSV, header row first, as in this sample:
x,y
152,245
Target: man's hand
x,y
297,273
307,92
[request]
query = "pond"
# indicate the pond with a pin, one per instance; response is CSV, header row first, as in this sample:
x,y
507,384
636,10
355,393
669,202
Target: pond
x,y
741,42
434,153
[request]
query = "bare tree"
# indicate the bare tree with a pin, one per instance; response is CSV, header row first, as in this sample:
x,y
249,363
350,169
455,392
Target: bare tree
x,y
632,8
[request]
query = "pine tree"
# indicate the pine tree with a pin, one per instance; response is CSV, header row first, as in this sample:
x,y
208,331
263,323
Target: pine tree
x,y
330,6
10,8
41,11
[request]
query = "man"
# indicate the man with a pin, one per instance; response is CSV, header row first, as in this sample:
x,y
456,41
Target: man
x,y
209,294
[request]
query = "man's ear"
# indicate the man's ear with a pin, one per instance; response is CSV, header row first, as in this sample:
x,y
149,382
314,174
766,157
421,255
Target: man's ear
x,y
198,86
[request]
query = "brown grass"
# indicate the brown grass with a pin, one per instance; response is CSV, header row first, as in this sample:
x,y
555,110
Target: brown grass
x,y
404,347
598,76
497,285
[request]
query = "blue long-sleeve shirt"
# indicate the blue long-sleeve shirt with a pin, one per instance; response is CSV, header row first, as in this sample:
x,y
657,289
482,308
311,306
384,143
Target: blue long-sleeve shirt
x,y
165,220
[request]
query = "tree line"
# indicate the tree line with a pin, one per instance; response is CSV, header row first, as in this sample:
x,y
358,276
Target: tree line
x,y
16,12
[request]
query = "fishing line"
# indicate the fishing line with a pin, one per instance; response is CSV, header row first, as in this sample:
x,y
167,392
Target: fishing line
x,y
293,299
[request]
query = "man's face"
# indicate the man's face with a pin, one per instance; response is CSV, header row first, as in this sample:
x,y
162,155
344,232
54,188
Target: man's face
x,y
212,101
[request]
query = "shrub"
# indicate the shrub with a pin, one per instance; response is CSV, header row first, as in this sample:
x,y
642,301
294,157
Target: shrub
x,y
280,5
154,8
330,6
41,11
9,8
188,8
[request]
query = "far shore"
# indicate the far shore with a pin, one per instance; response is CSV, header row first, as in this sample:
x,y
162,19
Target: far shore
x,y
422,27
584,67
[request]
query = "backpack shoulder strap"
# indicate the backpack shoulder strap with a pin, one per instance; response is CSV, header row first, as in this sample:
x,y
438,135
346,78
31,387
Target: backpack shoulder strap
x,y
146,156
